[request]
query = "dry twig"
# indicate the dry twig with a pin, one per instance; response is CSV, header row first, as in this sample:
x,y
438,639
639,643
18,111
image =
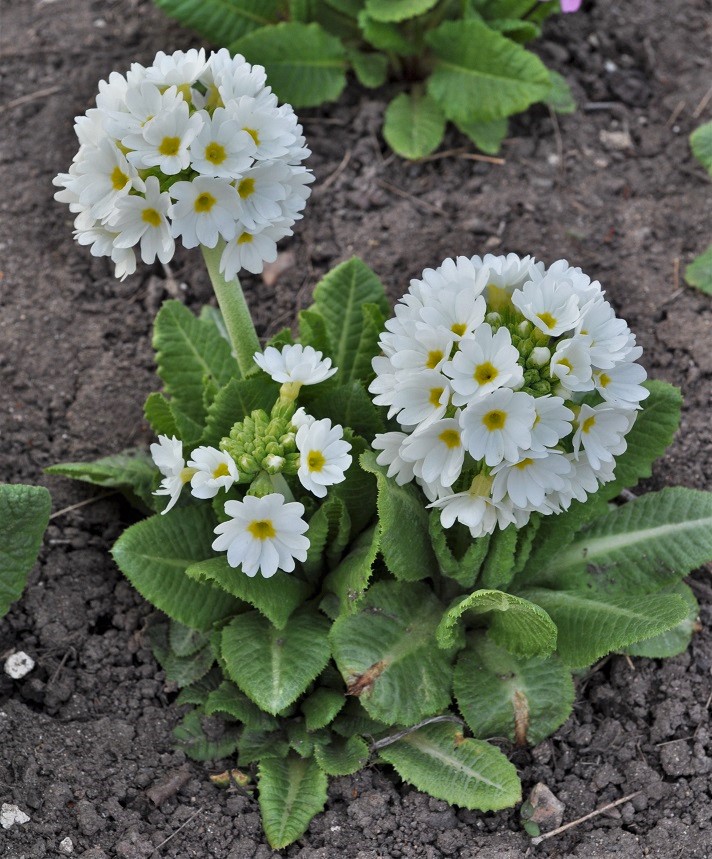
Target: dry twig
x,y
173,834
604,808
32,96
82,504
332,177
399,192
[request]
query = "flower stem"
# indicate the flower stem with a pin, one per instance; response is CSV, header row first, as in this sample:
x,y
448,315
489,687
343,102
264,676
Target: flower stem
x,y
235,311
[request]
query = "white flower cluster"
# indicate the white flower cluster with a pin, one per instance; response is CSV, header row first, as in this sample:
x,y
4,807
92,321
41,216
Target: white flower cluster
x,y
264,533
514,386
189,148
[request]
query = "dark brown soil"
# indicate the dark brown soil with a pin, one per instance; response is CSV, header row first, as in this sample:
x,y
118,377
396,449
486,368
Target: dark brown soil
x,y
88,731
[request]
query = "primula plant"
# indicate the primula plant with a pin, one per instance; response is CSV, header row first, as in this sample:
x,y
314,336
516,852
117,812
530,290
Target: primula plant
x,y
461,61
345,580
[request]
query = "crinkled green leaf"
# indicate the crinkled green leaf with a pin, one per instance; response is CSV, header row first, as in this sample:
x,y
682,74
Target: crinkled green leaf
x,y
481,75
132,472
255,745
222,21
522,628
385,36
487,136
515,29
24,514
157,411
405,545
358,491
342,756
370,68
350,406
498,567
291,791
466,568
349,580
699,272
701,145
234,402
185,641
353,719
276,598
397,10
195,742
388,656
197,693
322,707
328,536
186,670
154,555
501,695
273,667
439,760
305,65
414,125
227,698
312,330
675,640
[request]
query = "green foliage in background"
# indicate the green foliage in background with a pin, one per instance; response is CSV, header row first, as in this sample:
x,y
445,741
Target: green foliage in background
x,y
459,61
699,272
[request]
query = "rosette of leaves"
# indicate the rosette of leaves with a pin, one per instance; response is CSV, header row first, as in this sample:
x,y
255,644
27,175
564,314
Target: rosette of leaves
x,y
699,272
24,514
395,641
459,61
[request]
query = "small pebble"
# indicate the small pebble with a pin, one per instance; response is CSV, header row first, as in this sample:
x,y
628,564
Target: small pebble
x,y
17,665
11,814
66,846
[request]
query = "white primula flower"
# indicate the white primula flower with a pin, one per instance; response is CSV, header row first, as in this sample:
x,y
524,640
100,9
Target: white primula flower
x,y
181,68
621,385
582,285
221,149
168,456
436,452
498,426
420,349
389,444
550,304
295,363
141,104
420,396
124,260
458,312
453,276
600,431
164,141
144,219
102,177
324,456
251,249
474,508
552,422
527,482
484,362
272,134
205,209
260,191
609,336
384,384
300,418
214,470
571,363
263,535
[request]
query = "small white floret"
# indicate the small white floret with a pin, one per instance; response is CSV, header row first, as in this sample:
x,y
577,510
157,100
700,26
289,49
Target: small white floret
x,y
214,470
324,456
295,363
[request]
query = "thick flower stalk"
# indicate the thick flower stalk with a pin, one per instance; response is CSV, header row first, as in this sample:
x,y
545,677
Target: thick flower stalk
x,y
192,149
275,456
514,387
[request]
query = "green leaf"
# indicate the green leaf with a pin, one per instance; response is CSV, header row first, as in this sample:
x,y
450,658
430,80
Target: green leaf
x,y
24,515
186,670
292,791
255,745
339,298
322,707
591,625
498,567
675,640
193,740
699,272
276,598
157,411
235,401
387,653
328,536
560,97
154,555
306,66
397,10
358,491
350,579
132,472
501,695
227,698
414,125
198,692
465,569
342,756
370,68
350,406
275,666
701,145
334,17
185,641
222,21
640,547
522,628
516,30
386,37
403,519
312,330
438,760
188,351
353,719
487,136
481,75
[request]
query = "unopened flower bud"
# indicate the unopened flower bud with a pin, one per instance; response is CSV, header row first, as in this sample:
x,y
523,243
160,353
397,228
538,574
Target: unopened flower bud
x,y
494,319
539,357
525,328
273,464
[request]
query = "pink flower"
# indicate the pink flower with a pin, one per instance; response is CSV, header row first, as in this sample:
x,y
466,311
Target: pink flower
x,y
570,5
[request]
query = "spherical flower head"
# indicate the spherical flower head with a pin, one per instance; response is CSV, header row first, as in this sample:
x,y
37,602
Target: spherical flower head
x,y
263,535
295,363
323,456
214,470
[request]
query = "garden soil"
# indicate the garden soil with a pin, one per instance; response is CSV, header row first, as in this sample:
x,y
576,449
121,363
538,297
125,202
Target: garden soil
x,y
86,736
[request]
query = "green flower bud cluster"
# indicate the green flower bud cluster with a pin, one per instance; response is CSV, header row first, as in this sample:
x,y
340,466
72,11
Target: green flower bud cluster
x,y
262,443
531,343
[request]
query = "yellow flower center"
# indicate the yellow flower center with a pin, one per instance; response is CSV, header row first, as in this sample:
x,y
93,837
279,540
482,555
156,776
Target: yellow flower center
x,y
215,153
152,217
186,474
435,356
118,179
494,420
169,146
262,529
564,362
221,471
547,319
458,328
485,373
315,460
450,438
588,423
246,188
604,380
245,239
525,463
204,202
253,134
435,394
